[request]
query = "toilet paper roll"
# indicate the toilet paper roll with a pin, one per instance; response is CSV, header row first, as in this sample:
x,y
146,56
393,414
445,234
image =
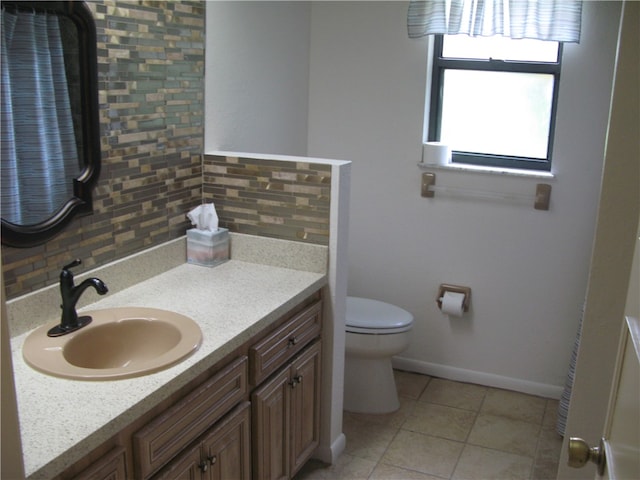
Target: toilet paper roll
x,y
436,153
453,303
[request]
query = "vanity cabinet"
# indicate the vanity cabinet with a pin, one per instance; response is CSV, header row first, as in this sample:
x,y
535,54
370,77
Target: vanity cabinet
x,y
222,453
286,417
169,434
286,407
255,415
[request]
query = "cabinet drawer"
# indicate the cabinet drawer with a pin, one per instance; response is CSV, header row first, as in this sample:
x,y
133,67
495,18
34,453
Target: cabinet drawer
x,y
160,440
280,345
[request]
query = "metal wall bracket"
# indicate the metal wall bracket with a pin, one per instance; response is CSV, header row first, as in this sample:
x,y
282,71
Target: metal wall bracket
x,y
543,195
428,179
540,199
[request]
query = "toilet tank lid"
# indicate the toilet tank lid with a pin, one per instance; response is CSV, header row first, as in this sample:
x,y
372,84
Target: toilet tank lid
x,y
368,313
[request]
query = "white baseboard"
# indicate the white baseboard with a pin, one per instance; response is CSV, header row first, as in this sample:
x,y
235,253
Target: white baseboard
x,y
480,378
330,454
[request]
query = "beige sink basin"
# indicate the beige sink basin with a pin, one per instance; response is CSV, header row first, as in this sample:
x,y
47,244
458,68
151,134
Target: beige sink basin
x,y
118,343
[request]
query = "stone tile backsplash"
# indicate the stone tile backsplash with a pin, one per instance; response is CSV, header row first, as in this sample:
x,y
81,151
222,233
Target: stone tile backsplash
x,y
271,198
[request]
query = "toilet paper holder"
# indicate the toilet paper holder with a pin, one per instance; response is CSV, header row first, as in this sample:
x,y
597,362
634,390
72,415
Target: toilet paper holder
x,y
445,287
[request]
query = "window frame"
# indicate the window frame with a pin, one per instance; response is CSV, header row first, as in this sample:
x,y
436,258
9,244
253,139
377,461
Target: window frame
x,y
440,64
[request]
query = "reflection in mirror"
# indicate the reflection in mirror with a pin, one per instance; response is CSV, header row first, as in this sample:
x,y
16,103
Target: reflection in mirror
x,y
50,138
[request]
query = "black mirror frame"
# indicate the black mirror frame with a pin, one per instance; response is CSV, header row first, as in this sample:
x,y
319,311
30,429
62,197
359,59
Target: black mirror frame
x,y
81,203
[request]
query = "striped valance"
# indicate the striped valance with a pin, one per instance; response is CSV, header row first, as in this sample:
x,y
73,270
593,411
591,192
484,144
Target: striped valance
x,y
554,20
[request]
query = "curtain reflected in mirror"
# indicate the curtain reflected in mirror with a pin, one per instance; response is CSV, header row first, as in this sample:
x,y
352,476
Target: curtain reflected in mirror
x,y
50,151
39,147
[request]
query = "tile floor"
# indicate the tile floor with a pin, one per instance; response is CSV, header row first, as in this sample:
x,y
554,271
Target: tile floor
x,y
449,430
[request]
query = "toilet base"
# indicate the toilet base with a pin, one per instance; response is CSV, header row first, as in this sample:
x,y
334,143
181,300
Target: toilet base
x,y
373,392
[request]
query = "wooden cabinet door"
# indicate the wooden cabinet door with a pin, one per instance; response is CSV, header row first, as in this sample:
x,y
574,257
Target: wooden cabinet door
x,y
227,449
270,419
186,466
180,425
113,466
305,406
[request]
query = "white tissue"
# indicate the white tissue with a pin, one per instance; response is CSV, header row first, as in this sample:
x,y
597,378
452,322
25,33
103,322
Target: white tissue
x,y
204,217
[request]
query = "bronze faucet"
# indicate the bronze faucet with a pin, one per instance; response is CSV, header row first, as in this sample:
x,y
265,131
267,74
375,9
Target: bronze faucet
x,y
70,296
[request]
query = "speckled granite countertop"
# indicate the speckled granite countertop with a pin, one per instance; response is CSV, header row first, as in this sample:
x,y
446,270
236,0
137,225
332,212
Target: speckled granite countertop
x,y
63,420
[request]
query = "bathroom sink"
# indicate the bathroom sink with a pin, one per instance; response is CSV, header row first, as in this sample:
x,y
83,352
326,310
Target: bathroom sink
x,y
118,343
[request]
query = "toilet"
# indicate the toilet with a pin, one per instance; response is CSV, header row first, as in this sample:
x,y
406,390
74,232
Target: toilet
x,y
375,331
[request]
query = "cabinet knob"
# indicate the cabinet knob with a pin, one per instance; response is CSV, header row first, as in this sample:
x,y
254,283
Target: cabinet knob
x,y
292,341
212,459
203,466
295,381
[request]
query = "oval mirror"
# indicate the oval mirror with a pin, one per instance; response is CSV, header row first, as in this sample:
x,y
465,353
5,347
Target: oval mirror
x,y
50,129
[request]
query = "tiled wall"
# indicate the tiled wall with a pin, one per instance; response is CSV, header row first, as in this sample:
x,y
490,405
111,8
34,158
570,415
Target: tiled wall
x,y
150,73
272,198
151,92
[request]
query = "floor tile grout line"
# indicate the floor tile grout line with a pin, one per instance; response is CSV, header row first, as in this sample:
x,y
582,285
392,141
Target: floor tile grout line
x,y
466,440
383,453
411,401
477,413
397,432
398,429
537,450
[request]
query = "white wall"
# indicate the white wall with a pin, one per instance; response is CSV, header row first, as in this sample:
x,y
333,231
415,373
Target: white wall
x,y
363,85
527,269
257,76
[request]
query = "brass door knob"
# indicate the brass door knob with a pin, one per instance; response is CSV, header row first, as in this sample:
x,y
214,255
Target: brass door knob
x,y
580,453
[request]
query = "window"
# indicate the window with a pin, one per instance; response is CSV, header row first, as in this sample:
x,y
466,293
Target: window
x,y
493,100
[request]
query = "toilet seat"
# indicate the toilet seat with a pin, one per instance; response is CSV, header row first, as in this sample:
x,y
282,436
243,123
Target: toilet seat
x,y
367,316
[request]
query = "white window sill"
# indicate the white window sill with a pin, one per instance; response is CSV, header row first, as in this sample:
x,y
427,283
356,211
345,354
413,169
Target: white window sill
x,y
510,172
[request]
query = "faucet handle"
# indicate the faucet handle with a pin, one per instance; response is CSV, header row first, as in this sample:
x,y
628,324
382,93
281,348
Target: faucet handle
x,y
66,277
75,263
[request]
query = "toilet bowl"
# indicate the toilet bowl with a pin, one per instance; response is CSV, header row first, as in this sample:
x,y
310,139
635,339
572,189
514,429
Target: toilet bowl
x,y
375,331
